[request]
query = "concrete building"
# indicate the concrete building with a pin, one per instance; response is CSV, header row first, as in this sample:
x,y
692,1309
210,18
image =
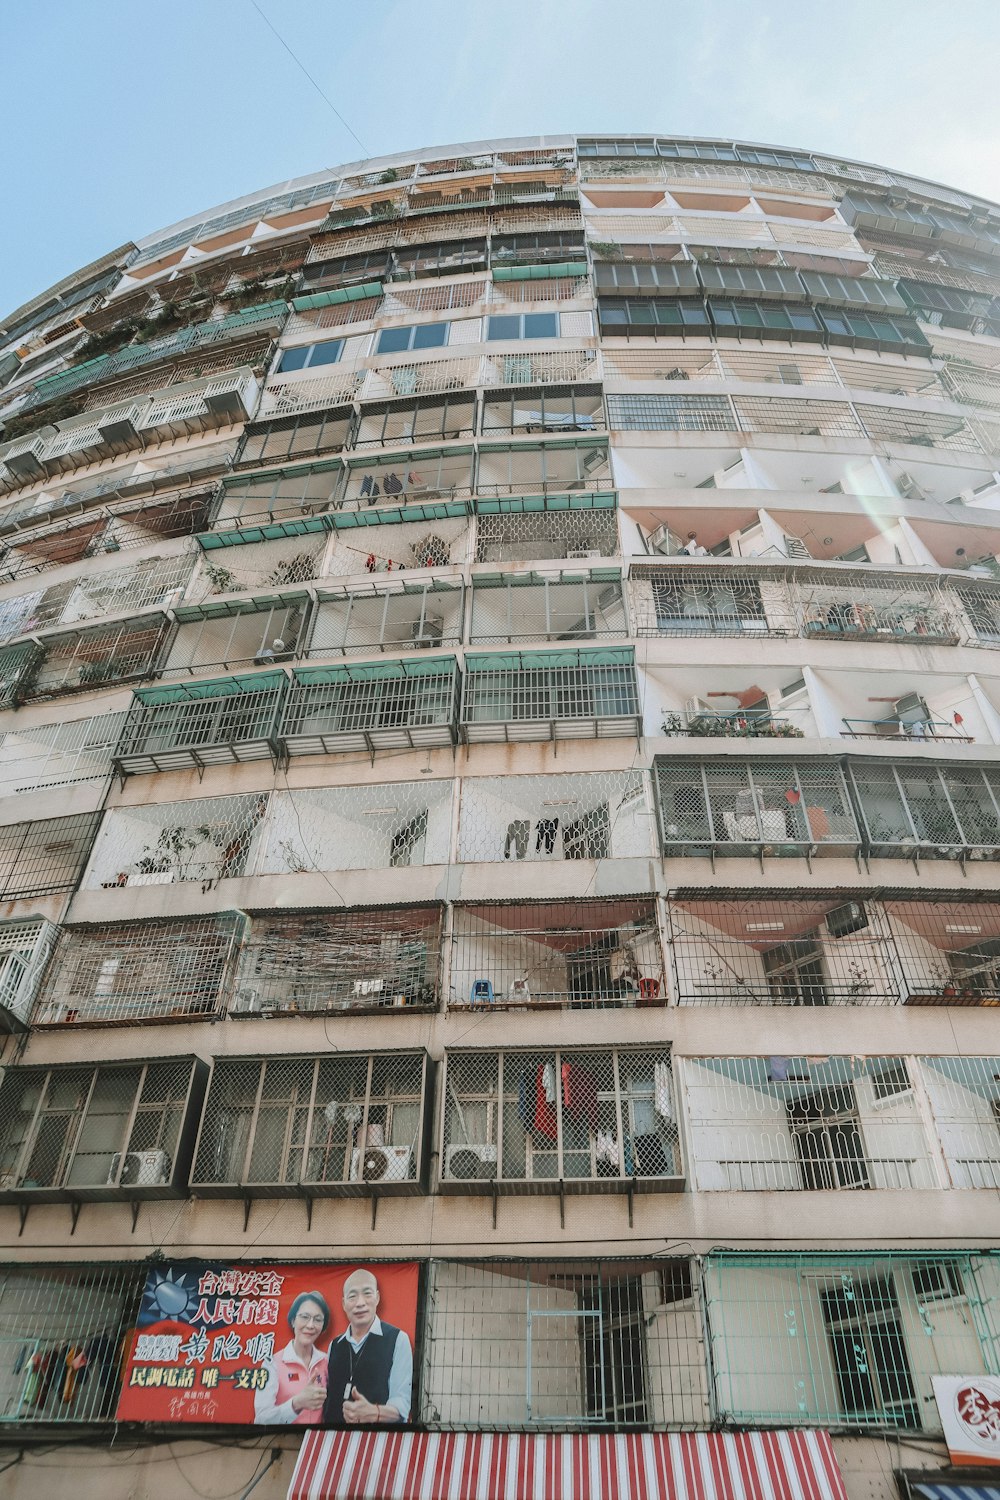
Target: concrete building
x,y
500,768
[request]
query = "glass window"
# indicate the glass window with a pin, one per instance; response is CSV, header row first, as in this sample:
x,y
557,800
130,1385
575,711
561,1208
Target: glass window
x,y
310,355
419,336
523,326
326,354
293,359
429,335
541,326
504,328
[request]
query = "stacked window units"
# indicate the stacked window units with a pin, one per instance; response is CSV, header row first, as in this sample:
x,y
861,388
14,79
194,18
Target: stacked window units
x,y
378,556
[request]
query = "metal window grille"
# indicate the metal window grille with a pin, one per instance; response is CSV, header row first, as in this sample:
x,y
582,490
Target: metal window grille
x,y
517,701
290,438
48,1311
393,706
274,564
850,1340
83,659
41,858
387,423
761,950
719,602
536,366
671,413
391,825
211,724
971,385
282,494
252,354
331,961
964,1097
211,839
949,949
337,315
434,542
287,396
88,1132
258,633
556,1344
900,425
18,665
440,297
802,417
525,535
542,289
396,616
931,812
343,1125
128,972
149,582
594,815
553,468
873,610
560,1120
58,754
525,607
575,955
758,1124
754,807
559,409
444,474
983,611
25,949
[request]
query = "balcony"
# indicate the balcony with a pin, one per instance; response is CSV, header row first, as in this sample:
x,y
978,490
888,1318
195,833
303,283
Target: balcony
x,y
964,1097
85,1133
917,730
83,660
389,825
237,633
44,857
740,724
150,582
554,408
556,955
949,949
199,724
744,808
387,424
208,840
550,695
600,1120
791,1124
25,949
234,560
391,705
291,495
289,439
596,815
325,963
388,539
711,601
559,466
915,811
343,1126
437,474
129,973
562,605
876,611
982,607
399,615
527,528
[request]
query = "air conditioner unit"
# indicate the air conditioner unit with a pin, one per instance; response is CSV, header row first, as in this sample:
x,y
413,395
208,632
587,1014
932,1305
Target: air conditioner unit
x,y
464,1163
381,1164
246,1002
140,1169
663,540
427,632
909,488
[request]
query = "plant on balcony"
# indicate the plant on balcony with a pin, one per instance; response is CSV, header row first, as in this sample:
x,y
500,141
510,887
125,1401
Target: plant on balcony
x,y
172,850
221,579
606,249
389,175
41,416
708,726
293,858
859,981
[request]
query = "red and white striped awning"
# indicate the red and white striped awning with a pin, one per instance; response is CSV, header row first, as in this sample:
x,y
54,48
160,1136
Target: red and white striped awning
x,y
797,1465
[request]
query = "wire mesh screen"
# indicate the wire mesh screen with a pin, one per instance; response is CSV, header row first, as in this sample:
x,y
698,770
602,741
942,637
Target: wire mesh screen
x,y
935,812
394,617
384,423
92,1130
376,709
595,815
385,826
525,607
94,658
742,807
276,564
546,470
296,437
722,602
335,1124
63,1335
280,495
211,839
850,1339
340,961
518,701
37,859
528,536
236,635
123,972
214,729
782,1124
149,582
573,955
949,950
58,754
544,409
783,951
964,1096
873,610
556,1344
567,1118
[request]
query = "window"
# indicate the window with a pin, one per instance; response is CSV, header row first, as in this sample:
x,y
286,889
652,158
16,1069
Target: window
x,y
869,1352
311,356
613,1324
523,326
892,1081
936,1280
417,336
795,972
827,1137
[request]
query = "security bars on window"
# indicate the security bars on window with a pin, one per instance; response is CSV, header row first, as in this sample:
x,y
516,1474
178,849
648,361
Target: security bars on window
x,y
949,949
529,534
754,807
686,601
522,697
25,950
391,825
911,810
398,615
236,634
82,660
562,606
152,581
217,723
41,858
385,707
50,755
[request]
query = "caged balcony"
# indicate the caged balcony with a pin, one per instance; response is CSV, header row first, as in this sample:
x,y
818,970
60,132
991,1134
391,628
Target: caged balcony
x,y
390,705
786,1124
389,825
404,614
82,660
964,1098
596,815
153,581
129,973
704,601
331,1126
600,1119
874,610
550,695
783,950
915,811
528,528
25,950
228,634
563,605
561,955
323,962
46,856
242,560
208,840
81,1132
949,949
52,755
225,721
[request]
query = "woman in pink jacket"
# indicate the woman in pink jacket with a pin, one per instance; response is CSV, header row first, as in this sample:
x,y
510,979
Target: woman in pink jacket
x,y
296,1375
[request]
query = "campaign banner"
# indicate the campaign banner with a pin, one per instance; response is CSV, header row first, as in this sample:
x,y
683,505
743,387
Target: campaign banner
x,y
969,1406
274,1346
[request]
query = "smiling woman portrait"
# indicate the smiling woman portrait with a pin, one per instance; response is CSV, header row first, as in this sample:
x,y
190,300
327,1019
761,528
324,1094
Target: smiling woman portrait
x,y
297,1375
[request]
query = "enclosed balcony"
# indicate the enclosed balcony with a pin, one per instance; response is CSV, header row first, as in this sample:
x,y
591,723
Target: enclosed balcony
x,y
964,1096
741,808
710,601
327,962
389,825
552,408
387,424
18,665
389,705
249,559
561,605
53,755
291,438
550,695
25,950
393,538
82,1132
595,815
561,955
948,947
527,528
554,468
208,840
331,1126
914,811
572,1120
198,724
288,494
152,581
982,609
402,614
785,1124
783,950
82,660
44,857
429,474
263,630
874,610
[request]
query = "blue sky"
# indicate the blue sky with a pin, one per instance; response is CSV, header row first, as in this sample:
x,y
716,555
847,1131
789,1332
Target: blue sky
x,y
122,118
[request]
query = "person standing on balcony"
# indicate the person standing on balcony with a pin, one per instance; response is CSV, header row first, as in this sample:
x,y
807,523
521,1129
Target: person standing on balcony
x,y
371,1365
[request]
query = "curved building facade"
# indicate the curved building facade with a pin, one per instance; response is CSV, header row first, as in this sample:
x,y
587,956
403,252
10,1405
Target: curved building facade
x,y
500,770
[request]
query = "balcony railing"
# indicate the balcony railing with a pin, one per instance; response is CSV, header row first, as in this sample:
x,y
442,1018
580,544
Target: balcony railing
x,y
82,660
156,581
596,815
79,1132
571,1120
949,950
200,724
208,840
916,811
911,729
25,949
344,1126
382,706
550,695
702,601
528,528
397,615
710,724
557,606
44,857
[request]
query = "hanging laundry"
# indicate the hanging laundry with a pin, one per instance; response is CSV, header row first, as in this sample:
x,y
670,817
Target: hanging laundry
x,y
549,1082
607,1148
545,834
366,487
519,990
371,563
777,1069
517,838
392,484
546,1122
663,1094
580,1093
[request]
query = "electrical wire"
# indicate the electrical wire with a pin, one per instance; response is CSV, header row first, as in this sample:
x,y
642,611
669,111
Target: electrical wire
x,y
301,65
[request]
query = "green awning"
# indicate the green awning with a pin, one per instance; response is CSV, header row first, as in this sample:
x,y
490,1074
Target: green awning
x,y
392,515
540,273
600,440
507,505
533,579
241,536
407,459
359,293
527,661
283,471
247,604
52,382
217,687
442,666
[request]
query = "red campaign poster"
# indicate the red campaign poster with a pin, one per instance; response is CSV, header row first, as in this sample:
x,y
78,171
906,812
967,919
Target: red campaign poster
x,y
274,1346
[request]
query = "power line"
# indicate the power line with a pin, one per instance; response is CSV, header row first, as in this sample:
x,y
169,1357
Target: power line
x,y
300,64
